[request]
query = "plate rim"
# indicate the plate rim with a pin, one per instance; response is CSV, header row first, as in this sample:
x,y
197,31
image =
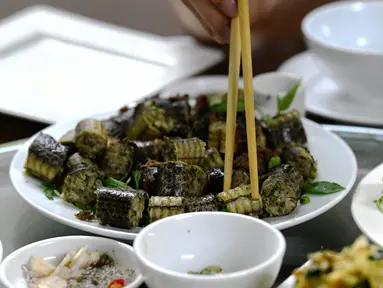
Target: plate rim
x,y
358,192
128,235
309,81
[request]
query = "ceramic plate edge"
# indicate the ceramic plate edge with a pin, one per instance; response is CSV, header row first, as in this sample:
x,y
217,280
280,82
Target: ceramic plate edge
x,y
357,193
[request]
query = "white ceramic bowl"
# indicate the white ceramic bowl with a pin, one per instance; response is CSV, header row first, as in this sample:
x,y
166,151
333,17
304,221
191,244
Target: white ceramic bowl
x,y
267,87
346,38
54,249
249,250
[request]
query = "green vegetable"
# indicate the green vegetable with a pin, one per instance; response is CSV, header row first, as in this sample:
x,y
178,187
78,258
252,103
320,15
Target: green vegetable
x,y
211,270
284,102
145,221
305,199
50,191
86,208
222,106
378,204
322,187
274,162
215,98
225,210
113,183
137,178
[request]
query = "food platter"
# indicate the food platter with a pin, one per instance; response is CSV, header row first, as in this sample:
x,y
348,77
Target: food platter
x,y
365,212
336,163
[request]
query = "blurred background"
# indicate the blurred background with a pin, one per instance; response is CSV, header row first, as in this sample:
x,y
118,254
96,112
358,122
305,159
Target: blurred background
x,y
135,14
153,16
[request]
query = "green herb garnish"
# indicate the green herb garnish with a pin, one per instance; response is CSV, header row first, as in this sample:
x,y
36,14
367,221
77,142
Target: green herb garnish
x,y
211,270
215,98
305,199
145,220
222,107
86,208
378,204
274,162
137,178
51,191
225,210
113,183
284,102
322,187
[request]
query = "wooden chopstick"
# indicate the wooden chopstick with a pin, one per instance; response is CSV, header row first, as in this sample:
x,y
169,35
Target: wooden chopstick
x,y
247,70
232,98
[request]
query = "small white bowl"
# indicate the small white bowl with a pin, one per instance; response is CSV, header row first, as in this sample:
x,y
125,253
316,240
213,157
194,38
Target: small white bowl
x,y
54,249
249,250
267,87
345,36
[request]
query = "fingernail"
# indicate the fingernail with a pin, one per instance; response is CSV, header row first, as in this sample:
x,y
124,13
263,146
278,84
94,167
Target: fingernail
x,y
229,7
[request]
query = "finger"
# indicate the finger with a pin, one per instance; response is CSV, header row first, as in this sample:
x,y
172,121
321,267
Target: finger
x,y
198,15
228,7
216,23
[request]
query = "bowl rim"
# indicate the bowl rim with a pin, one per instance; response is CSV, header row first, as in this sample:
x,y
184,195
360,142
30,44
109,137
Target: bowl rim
x,y
327,7
4,265
278,253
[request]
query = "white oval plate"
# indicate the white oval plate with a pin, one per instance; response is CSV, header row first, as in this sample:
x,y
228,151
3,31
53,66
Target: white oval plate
x,y
336,163
364,211
54,249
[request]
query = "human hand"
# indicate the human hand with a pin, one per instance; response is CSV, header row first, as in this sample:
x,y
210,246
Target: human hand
x,y
268,18
215,16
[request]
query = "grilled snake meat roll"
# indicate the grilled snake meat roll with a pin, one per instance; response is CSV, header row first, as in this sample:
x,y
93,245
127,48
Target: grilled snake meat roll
x,y
191,150
217,137
201,118
150,123
177,107
147,150
238,200
122,208
181,180
241,134
149,177
200,204
301,158
162,207
215,184
91,138
68,140
118,159
281,191
212,159
217,132
116,125
81,181
263,155
285,128
46,158
240,177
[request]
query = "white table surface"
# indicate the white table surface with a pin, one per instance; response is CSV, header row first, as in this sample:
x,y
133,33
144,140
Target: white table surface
x,y
20,224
